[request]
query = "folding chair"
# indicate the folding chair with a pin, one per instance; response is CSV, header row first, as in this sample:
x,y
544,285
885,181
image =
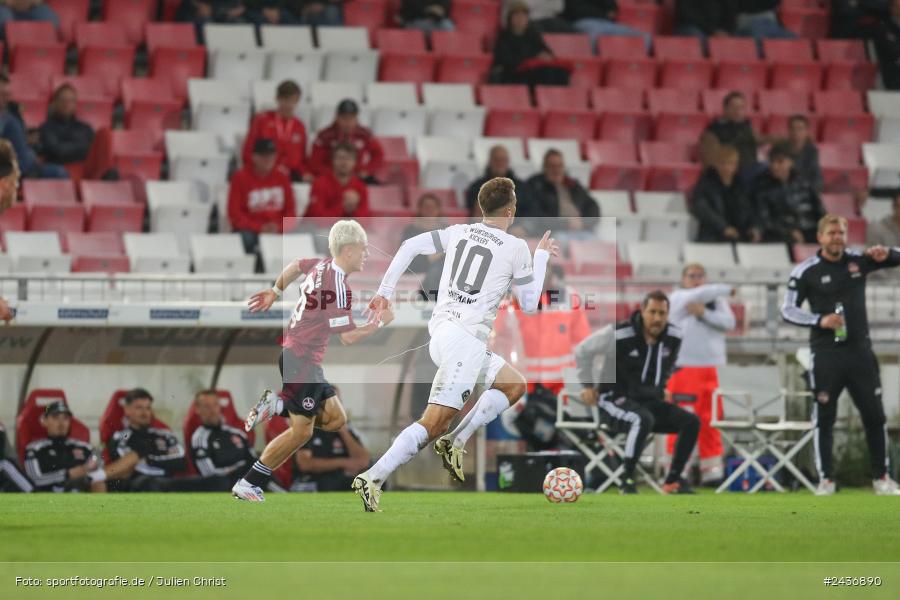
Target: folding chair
x,y
782,449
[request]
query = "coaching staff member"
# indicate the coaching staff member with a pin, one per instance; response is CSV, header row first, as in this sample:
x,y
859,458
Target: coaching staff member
x,y
644,351
833,281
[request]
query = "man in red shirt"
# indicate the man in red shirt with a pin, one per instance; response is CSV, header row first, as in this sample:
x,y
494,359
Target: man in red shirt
x,y
346,128
285,129
338,193
324,309
260,196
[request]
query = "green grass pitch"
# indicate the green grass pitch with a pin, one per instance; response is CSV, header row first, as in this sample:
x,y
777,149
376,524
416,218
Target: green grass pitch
x,y
455,545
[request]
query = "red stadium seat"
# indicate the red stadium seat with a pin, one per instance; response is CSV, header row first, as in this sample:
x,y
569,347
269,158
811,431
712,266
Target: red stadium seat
x,y
400,41
101,264
797,75
572,124
284,474
456,43
96,113
178,65
712,100
856,231
170,9
685,129
743,76
838,102
686,74
732,49
504,96
170,35
624,47
631,73
155,116
28,421
70,13
13,219
560,98
100,34
44,60
418,68
586,72
839,156
447,197
787,50
477,16
841,204
858,76
31,86
464,69
672,178
630,178
673,100
30,33
87,87
845,180
783,102
812,23
621,126
121,218
48,191
394,147
803,251
56,217
569,45
131,15
677,48
371,14
388,201
113,418
644,16
524,123
605,152
400,171
617,99
779,124
831,51
146,89
106,192
848,130
229,414
97,252
113,64
667,153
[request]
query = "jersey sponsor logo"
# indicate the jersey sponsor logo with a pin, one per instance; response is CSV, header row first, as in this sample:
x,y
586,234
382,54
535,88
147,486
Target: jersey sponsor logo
x,y
308,403
265,199
465,396
339,321
826,278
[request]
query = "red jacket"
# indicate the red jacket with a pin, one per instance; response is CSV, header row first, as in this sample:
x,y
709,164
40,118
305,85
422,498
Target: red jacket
x,y
289,136
255,200
326,198
369,153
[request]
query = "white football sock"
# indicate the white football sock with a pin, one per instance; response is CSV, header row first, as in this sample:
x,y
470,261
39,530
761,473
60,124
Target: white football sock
x,y
97,476
405,447
489,406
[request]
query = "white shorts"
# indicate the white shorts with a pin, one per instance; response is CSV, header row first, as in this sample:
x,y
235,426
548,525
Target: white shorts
x,y
463,361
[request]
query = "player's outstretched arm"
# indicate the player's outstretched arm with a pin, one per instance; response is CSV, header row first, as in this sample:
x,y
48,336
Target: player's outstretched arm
x,y
374,324
263,300
528,293
884,257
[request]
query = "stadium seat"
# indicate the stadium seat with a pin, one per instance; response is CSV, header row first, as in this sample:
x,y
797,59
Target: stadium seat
x,y
839,180
119,217
848,130
446,196
170,35
229,414
97,252
99,34
481,17
292,39
778,124
216,91
356,65
612,203
154,117
611,152
156,253
622,177
277,250
764,261
787,50
343,39
524,123
30,33
43,60
841,204
134,89
57,217
888,130
838,102
87,87
677,48
656,203
456,175
430,148
644,16
617,99
219,36
28,421
371,14
461,123
625,126
106,192
418,68
330,93
515,97
225,120
394,147
70,14
621,47
672,100
481,148
631,72
797,75
400,95
220,253
113,418
132,16
672,178
36,252
178,65
732,49
712,100
13,219
400,40
570,149
683,128
812,22
568,123
671,229
783,102
96,113
111,63
654,259
586,73
44,191
569,45
742,76
838,155
560,98
409,123
243,66
803,251
457,43
718,259
448,95
667,153
856,231
388,201
686,74
191,143
858,76
472,70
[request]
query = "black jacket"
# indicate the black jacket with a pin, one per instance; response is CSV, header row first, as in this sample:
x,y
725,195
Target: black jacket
x,y
887,45
475,186
591,9
65,141
707,15
806,162
162,455
642,371
512,50
740,135
220,450
757,6
824,284
716,207
411,10
784,207
48,461
539,205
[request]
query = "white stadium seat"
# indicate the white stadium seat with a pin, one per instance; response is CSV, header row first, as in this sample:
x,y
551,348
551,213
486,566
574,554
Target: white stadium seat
x,y
303,68
287,38
570,150
457,174
481,149
36,252
229,37
278,250
764,261
242,66
343,38
717,259
620,231
155,253
301,196
208,170
654,259
432,148
674,229
358,65
221,253
171,214
456,96
883,161
406,122
217,91
191,143
226,121
884,104
330,93
875,209
888,130
5,263
175,192
651,203
613,203
391,95
463,124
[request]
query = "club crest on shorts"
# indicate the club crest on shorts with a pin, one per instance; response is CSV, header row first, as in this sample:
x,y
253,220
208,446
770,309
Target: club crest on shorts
x,y
308,403
822,397
465,395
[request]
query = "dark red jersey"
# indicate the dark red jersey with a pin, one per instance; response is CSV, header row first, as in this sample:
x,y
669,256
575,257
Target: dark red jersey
x,y
323,309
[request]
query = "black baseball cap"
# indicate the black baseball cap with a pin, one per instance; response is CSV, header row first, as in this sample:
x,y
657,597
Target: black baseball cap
x,y
348,107
264,146
56,408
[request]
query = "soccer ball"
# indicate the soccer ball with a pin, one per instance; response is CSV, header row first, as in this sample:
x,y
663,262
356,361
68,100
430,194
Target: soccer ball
x,y
563,484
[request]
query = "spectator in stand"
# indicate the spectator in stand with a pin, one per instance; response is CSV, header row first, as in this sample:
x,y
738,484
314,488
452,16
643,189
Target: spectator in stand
x,y
287,131
346,128
759,19
856,18
546,15
7,104
734,129
26,10
9,188
598,18
12,128
787,205
260,196
720,202
705,18
887,46
12,475
270,12
428,218
318,12
159,455
555,201
498,166
339,193
63,137
329,461
516,49
806,155
886,232
427,15
59,463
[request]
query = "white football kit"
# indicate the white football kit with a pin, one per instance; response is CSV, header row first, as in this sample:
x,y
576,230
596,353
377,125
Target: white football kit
x,y
481,263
